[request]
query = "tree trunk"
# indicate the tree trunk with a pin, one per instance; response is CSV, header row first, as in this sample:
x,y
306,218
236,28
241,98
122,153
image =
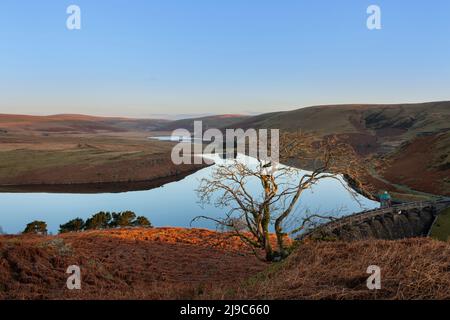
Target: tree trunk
x,y
265,222
280,241
266,234
268,249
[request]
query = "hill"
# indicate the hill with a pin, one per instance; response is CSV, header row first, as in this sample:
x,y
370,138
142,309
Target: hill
x,y
380,127
162,263
72,123
411,269
79,153
175,263
414,138
77,123
376,119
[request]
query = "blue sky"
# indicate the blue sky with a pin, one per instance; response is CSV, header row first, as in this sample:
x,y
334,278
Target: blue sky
x,y
142,57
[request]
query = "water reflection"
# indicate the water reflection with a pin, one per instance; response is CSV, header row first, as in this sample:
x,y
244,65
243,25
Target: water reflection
x,y
173,204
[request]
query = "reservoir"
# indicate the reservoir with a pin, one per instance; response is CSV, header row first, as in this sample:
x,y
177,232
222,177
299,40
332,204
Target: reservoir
x,y
173,204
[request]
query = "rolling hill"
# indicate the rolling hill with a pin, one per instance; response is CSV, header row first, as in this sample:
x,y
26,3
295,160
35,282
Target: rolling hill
x,y
198,264
377,119
415,137
77,123
385,125
74,123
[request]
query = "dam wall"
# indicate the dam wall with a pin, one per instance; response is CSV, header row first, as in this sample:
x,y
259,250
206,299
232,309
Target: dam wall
x,y
398,222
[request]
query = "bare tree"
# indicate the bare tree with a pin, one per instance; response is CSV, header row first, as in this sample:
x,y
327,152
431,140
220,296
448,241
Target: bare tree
x,y
280,188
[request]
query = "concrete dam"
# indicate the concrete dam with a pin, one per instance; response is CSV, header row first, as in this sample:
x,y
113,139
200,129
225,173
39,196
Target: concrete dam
x,y
401,221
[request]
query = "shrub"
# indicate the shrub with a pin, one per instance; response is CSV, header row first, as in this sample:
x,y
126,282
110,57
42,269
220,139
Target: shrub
x,y
142,222
99,220
122,219
74,225
105,220
36,227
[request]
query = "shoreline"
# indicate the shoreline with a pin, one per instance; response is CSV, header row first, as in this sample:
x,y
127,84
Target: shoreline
x,y
99,187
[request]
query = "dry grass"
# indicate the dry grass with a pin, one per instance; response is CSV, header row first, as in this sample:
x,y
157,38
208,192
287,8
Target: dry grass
x,y
75,150
410,269
422,165
166,263
85,159
174,263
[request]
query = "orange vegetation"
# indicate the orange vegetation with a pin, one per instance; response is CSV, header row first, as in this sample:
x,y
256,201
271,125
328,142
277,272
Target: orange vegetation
x,y
163,263
175,263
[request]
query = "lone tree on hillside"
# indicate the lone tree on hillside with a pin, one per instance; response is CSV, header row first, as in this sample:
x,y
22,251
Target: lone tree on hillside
x,y
36,227
75,225
280,189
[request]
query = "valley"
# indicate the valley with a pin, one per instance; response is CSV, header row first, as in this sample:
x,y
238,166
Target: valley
x,y
78,149
47,163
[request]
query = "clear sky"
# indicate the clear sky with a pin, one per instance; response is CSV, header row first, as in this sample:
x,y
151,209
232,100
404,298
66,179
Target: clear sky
x,y
146,57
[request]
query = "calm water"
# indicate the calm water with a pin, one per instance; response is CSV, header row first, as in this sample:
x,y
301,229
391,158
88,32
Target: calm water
x,y
177,139
174,204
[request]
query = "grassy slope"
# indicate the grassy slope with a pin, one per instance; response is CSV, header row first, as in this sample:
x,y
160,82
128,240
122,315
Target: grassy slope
x,y
163,263
423,164
410,269
415,137
76,123
174,263
423,117
84,158
80,149
441,228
